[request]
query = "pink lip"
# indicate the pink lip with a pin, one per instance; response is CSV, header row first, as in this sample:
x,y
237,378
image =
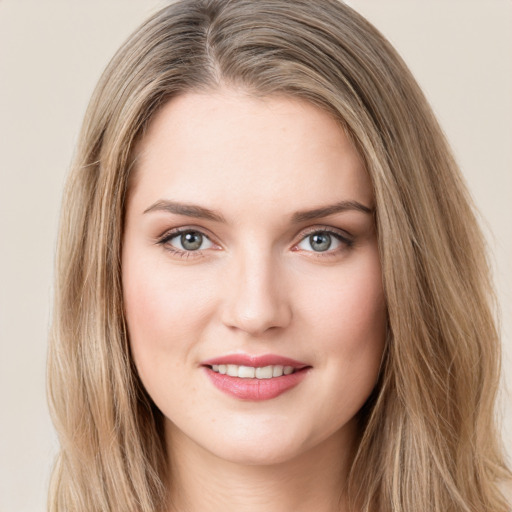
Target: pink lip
x,y
255,361
255,389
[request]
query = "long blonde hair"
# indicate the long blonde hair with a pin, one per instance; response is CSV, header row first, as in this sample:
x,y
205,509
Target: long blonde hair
x,y
428,441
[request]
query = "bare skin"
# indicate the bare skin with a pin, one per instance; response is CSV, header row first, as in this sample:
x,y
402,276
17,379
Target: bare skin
x,y
249,233
309,482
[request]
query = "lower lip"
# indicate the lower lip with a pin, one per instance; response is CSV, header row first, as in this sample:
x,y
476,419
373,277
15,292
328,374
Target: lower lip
x,y
255,389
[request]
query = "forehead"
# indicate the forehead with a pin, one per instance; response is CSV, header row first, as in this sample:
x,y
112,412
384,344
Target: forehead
x,y
208,147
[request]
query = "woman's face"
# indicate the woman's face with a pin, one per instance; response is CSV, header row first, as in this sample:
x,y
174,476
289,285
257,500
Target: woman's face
x,y
251,276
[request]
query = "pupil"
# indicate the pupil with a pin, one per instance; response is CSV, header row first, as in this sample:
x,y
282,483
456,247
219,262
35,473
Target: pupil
x,y
191,240
320,242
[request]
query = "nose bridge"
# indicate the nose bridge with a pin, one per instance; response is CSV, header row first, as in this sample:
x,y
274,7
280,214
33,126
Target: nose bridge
x,y
256,298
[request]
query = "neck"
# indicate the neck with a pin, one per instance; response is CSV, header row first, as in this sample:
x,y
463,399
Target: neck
x,y
313,480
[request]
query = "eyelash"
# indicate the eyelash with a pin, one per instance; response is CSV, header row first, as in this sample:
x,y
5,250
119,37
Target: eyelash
x,y
346,240
341,236
169,235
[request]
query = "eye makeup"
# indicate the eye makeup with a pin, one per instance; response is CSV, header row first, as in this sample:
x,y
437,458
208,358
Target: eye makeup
x,y
320,241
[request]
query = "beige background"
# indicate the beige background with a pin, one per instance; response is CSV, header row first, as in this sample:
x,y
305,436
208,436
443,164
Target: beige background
x,y
52,53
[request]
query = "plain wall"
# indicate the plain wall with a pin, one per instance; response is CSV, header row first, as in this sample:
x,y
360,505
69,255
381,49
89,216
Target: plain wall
x,y
51,55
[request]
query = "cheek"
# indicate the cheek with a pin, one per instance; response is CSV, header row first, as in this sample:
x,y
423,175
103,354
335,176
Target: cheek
x,y
165,313
349,320
162,297
167,309
349,306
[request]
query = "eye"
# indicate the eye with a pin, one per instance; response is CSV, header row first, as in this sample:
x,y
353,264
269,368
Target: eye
x,y
188,240
323,241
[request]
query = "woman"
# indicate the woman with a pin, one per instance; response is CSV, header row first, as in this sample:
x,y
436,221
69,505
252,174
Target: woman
x,y
272,292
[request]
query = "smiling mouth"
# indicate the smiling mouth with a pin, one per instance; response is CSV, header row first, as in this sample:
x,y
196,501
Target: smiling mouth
x,y
252,372
255,383
255,377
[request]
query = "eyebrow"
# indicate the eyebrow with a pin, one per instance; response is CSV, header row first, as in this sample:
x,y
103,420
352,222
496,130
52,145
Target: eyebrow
x,y
324,211
192,210
186,209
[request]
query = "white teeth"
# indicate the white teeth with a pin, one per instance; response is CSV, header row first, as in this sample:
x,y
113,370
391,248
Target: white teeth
x,y
264,373
246,372
232,370
277,371
249,372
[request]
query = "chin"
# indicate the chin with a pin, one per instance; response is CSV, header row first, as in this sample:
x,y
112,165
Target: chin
x,y
259,454
260,444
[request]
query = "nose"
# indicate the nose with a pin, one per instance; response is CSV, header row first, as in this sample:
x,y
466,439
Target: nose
x,y
256,298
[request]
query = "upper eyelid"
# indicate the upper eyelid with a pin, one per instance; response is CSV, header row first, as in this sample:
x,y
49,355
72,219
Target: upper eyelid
x,y
173,232
164,242
324,229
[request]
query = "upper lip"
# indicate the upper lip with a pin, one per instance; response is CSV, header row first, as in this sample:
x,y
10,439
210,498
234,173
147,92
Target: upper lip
x,y
255,361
